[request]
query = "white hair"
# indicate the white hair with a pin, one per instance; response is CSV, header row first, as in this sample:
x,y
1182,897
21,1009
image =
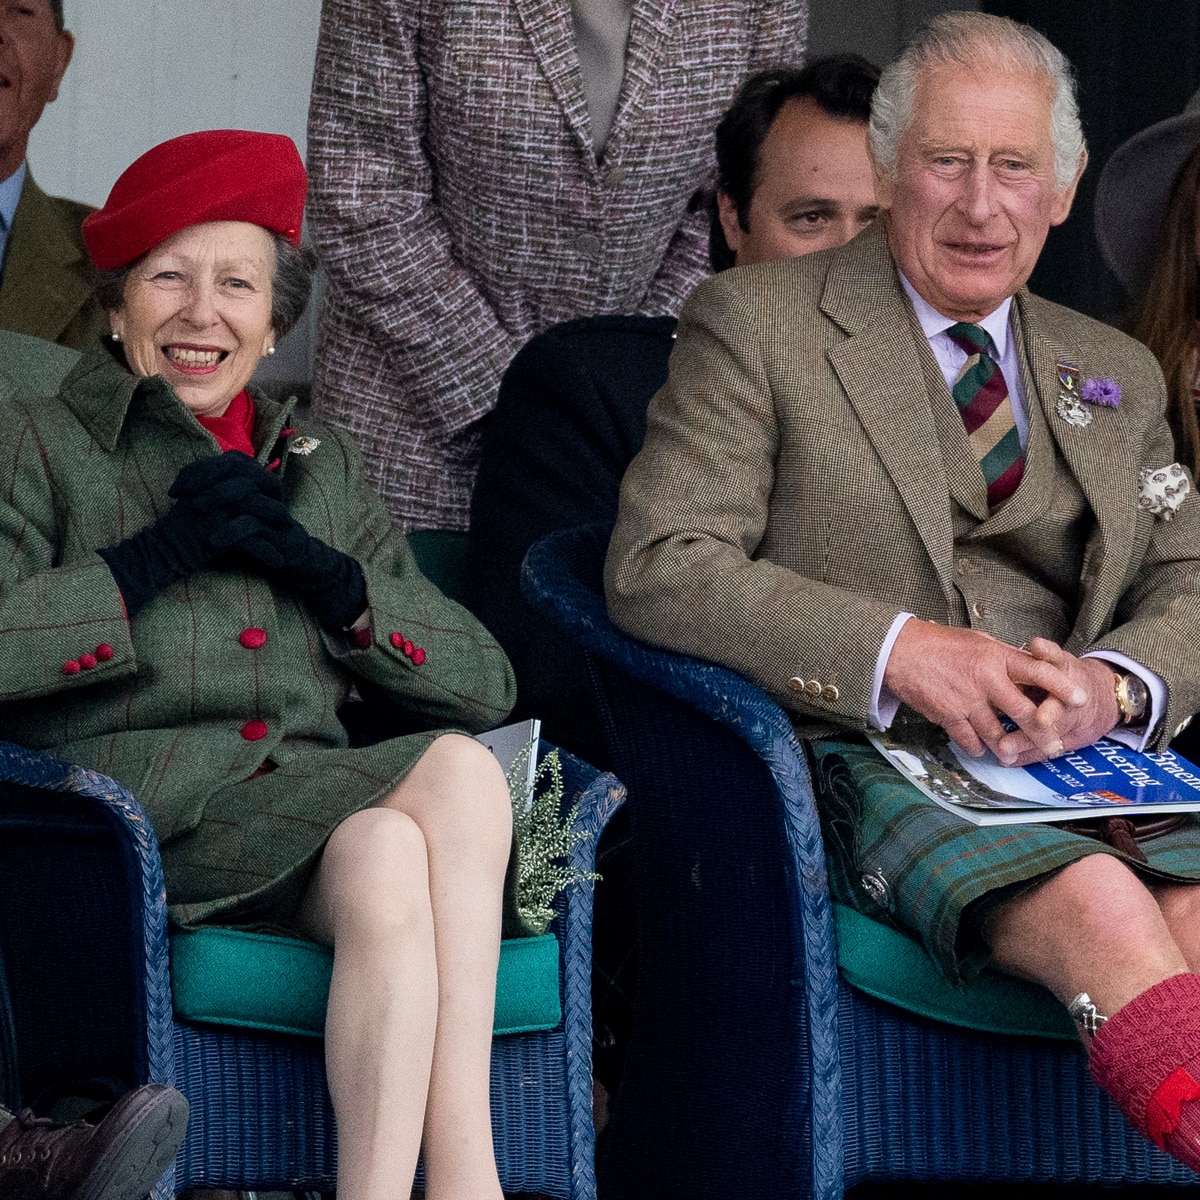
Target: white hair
x,y
974,39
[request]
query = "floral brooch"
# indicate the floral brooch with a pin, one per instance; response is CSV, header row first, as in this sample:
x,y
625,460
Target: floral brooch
x,y
303,445
1076,393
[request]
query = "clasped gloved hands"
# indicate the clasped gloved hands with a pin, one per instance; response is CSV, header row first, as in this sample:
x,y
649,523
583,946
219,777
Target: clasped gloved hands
x,y
225,503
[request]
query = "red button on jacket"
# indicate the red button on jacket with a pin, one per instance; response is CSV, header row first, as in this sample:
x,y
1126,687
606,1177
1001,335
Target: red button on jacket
x,y
71,667
87,661
397,639
254,731
252,638
362,638
104,652
418,656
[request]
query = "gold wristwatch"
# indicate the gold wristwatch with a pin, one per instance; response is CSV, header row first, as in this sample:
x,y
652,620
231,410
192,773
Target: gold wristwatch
x,y
1133,698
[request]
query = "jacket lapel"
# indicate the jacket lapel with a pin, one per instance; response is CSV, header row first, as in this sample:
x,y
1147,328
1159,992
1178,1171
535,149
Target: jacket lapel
x,y
649,29
43,286
879,367
1102,461
551,33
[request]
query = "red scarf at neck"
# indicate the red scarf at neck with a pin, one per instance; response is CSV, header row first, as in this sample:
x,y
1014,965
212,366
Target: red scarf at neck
x,y
232,430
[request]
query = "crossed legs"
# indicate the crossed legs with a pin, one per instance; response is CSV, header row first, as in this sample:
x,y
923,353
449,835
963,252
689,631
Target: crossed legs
x,y
409,893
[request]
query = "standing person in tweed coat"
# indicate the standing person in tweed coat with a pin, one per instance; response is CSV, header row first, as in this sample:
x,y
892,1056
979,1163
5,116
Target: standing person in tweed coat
x,y
194,579
822,505
481,172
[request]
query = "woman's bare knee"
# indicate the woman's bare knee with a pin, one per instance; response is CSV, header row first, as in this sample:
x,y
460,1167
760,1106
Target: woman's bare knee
x,y
373,876
457,791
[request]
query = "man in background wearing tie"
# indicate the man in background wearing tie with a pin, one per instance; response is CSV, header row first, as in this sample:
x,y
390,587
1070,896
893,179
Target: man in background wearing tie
x,y
45,276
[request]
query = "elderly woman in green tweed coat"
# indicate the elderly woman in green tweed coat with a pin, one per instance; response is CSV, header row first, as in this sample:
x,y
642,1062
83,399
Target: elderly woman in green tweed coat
x,y
193,580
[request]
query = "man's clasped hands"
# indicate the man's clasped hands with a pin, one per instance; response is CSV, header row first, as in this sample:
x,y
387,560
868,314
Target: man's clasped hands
x,y
964,681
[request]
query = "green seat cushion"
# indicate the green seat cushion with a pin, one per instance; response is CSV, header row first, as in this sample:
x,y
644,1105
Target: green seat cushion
x,y
281,984
891,966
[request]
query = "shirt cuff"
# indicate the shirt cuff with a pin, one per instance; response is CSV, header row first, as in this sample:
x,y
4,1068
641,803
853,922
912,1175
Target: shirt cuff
x,y
1136,737
884,702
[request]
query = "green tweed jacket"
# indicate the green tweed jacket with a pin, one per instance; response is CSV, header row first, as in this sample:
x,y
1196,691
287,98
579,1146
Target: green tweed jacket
x,y
222,672
46,288
792,496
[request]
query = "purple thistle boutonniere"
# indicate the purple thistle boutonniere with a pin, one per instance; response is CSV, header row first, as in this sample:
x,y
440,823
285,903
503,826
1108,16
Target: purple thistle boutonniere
x,y
1105,392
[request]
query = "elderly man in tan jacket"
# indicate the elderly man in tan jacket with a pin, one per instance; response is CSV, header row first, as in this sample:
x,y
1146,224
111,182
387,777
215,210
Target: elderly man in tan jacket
x,y
890,485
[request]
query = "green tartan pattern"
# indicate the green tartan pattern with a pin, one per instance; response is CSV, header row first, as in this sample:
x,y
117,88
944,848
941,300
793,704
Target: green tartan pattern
x,y
943,874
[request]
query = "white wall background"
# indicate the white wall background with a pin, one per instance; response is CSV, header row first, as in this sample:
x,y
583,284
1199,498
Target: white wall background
x,y
147,70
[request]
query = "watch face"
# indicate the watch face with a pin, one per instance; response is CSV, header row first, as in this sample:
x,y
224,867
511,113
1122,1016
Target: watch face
x,y
1137,694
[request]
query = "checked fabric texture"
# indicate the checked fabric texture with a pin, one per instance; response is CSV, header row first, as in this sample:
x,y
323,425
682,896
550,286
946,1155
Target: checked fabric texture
x,y
982,397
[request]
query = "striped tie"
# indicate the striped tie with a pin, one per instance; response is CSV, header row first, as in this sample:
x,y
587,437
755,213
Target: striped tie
x,y
982,397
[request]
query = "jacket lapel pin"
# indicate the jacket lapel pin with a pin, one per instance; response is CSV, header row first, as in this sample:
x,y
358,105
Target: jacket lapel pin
x,y
1162,490
1070,405
303,445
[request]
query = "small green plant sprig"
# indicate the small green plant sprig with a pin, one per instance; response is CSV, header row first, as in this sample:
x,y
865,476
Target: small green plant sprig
x,y
544,840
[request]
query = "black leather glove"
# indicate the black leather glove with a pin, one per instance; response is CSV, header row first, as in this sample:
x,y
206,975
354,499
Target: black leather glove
x,y
214,497
330,582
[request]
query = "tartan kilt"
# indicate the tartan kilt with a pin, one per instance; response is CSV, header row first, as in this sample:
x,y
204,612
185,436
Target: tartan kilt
x,y
898,857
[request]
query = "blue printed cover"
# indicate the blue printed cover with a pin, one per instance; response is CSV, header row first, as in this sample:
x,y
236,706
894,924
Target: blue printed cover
x,y
1105,776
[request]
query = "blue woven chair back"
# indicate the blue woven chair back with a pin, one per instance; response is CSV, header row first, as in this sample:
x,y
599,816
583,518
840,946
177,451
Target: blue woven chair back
x,y
708,1103
82,1020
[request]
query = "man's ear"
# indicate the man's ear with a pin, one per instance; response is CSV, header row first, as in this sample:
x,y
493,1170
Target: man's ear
x,y
64,49
885,180
731,226
1060,206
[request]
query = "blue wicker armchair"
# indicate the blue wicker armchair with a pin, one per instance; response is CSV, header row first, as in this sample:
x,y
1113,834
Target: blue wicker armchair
x,y
754,1068
83,933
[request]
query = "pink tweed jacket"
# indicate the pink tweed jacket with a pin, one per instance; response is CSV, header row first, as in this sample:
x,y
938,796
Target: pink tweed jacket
x,y
459,207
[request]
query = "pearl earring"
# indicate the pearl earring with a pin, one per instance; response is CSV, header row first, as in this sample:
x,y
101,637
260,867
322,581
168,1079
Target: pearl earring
x,y
270,349
116,337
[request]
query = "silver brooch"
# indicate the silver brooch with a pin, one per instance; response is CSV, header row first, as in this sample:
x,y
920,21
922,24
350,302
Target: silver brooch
x,y
1070,405
1163,490
303,445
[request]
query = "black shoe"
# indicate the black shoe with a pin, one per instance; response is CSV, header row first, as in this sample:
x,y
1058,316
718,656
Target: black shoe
x,y
121,1158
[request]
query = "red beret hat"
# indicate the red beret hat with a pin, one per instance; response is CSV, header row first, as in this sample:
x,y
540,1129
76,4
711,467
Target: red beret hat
x,y
216,175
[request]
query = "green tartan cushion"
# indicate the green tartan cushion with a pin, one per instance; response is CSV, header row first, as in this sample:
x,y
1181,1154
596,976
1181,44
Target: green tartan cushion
x,y
260,981
889,965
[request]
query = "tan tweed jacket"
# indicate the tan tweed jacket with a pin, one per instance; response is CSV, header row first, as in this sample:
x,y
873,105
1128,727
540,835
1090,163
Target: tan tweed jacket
x,y
792,495
47,286
459,206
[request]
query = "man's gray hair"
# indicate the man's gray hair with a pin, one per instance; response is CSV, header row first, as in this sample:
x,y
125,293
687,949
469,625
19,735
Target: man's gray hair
x,y
974,39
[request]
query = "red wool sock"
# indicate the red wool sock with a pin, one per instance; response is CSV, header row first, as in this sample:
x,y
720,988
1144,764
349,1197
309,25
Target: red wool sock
x,y
1146,1056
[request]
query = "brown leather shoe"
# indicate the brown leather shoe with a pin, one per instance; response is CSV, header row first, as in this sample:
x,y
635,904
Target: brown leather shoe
x,y
121,1158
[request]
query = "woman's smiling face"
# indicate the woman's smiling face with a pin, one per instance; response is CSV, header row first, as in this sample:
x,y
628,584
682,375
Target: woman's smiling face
x,y
197,311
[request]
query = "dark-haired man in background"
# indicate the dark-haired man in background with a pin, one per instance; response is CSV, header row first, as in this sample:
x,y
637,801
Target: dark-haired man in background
x,y
792,169
794,177
45,277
